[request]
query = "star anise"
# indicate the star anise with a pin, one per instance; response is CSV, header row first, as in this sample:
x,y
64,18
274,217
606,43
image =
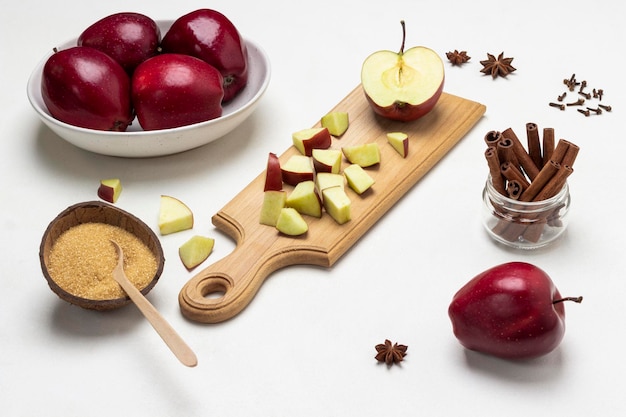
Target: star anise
x,y
458,58
389,353
497,66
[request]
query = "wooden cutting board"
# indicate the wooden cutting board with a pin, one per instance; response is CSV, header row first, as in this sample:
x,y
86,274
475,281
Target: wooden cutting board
x,y
225,288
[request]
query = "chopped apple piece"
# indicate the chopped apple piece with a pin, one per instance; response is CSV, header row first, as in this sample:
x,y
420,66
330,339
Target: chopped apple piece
x,y
273,203
357,178
400,142
327,160
336,122
306,140
325,180
195,251
291,223
273,174
337,204
174,215
305,199
296,169
110,189
365,155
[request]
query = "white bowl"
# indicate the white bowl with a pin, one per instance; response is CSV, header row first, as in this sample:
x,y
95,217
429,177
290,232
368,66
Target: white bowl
x,y
136,143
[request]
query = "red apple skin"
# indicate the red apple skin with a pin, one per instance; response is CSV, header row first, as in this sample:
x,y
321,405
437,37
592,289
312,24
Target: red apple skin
x,y
293,178
273,174
87,88
405,112
209,35
129,38
508,311
173,90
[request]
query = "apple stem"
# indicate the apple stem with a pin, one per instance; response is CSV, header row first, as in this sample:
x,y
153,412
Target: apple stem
x,y
403,36
574,299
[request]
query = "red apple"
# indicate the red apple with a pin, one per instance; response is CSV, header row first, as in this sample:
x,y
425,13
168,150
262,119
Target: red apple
x,y
512,311
173,90
87,88
209,35
403,85
273,174
129,38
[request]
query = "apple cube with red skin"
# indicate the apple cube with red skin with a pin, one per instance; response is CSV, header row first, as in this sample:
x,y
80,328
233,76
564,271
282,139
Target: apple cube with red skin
x,y
291,223
195,251
337,204
306,140
512,311
273,203
363,154
305,199
110,189
337,122
359,180
273,174
326,160
296,169
174,215
400,142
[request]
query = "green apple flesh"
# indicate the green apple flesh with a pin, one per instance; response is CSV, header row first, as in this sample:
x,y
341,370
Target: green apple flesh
x,y
325,180
296,169
337,204
364,154
336,122
291,223
326,160
400,142
305,199
174,215
403,85
273,203
195,251
110,189
359,180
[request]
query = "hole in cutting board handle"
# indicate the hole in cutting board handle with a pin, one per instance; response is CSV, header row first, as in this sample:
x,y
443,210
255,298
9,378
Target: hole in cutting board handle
x,y
214,288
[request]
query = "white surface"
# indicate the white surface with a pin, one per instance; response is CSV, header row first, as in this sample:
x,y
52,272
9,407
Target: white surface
x,y
305,346
137,143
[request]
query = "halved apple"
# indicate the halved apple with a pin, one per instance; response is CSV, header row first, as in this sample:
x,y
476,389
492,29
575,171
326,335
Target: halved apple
x,y
400,142
325,180
403,85
296,169
291,223
195,251
273,174
359,180
363,154
110,189
273,203
174,215
306,140
337,204
305,199
326,160
336,122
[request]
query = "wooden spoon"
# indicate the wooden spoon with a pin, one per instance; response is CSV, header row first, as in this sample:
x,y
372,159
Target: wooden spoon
x,y
163,328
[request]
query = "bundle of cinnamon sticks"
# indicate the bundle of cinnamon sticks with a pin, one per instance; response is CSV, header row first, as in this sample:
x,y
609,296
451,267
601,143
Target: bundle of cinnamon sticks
x,y
533,174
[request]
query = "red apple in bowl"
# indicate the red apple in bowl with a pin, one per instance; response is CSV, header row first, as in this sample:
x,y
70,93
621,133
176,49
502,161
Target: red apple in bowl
x,y
85,87
173,90
129,38
403,85
209,35
512,311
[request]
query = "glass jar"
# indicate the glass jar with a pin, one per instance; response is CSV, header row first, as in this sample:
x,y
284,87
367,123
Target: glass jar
x,y
524,225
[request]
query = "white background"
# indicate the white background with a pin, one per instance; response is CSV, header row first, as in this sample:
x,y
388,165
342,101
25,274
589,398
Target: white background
x,y
305,345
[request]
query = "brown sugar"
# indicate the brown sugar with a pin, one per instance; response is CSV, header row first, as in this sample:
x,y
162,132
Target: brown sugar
x,y
82,260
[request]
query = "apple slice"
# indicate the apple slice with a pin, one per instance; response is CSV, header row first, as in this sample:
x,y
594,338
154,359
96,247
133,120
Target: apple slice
x,y
364,154
359,180
110,189
325,180
273,203
400,142
326,160
337,204
296,169
291,223
336,122
273,174
174,215
195,251
306,140
305,199
403,85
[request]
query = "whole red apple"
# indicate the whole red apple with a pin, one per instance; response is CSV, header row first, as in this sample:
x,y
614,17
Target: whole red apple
x,y
173,90
209,35
512,311
129,38
87,88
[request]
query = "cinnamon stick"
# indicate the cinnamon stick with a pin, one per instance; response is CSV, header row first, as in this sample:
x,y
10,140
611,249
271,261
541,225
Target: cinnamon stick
x,y
513,173
524,159
494,170
492,138
506,152
565,152
546,174
514,189
555,184
534,144
547,144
